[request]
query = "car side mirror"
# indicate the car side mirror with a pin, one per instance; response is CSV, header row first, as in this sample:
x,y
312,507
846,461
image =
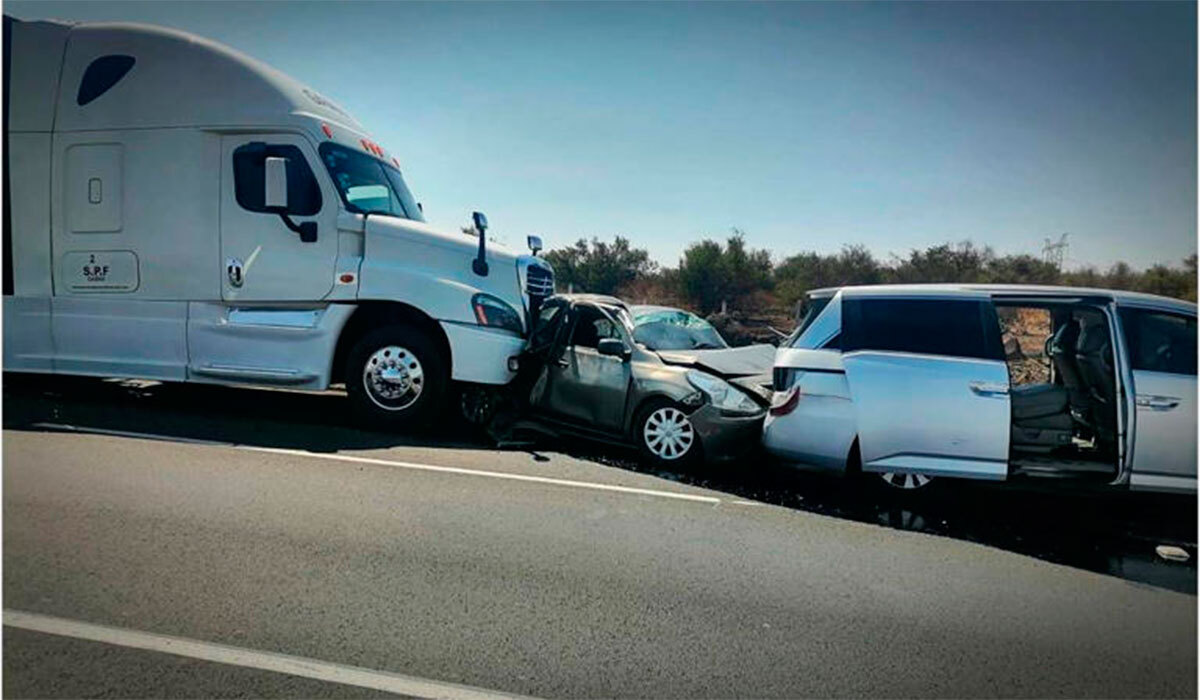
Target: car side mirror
x,y
275,198
613,347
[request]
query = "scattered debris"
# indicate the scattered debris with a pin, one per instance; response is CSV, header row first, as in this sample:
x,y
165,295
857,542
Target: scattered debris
x,y
1171,552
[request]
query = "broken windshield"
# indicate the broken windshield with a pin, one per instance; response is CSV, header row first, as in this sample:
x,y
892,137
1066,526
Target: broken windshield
x,y
674,329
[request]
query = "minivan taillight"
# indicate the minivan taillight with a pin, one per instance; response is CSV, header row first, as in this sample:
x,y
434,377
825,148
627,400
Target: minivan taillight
x,y
784,402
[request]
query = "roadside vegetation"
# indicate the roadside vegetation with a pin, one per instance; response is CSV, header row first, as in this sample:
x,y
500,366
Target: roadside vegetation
x,y
744,289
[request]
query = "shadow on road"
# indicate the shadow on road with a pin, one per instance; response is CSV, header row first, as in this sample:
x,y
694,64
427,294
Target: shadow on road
x,y
1114,534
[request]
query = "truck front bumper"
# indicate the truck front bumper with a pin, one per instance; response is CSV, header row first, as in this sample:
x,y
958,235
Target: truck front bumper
x,y
479,354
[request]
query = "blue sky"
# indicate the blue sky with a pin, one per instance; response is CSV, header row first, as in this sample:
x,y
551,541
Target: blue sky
x,y
807,125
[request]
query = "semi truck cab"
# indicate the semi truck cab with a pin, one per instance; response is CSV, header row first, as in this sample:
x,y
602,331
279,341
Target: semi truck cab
x,y
176,210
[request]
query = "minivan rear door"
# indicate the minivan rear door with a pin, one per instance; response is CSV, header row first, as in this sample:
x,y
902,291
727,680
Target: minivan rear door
x,y
929,384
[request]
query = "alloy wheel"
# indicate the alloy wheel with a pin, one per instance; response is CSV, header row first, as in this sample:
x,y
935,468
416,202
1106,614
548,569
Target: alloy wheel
x,y
907,482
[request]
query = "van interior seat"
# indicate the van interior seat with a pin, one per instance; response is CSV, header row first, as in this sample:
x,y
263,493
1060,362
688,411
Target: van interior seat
x,y
1094,354
1031,401
1066,366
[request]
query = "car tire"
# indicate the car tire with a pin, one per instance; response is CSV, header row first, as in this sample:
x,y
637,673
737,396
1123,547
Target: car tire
x,y
665,436
396,378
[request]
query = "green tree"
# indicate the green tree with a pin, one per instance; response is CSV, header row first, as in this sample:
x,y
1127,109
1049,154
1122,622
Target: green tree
x,y
962,262
1021,269
810,270
710,273
597,266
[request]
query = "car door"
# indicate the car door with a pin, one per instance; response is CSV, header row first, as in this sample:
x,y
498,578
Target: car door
x,y
584,386
929,385
261,258
1161,351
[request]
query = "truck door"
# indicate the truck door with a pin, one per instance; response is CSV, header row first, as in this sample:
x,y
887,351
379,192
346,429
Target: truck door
x,y
584,386
261,258
929,385
1161,350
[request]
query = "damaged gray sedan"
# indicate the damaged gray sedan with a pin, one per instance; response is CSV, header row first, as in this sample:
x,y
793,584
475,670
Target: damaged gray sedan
x,y
660,379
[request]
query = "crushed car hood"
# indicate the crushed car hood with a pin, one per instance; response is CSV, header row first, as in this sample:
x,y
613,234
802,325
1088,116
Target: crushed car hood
x,y
727,363
749,367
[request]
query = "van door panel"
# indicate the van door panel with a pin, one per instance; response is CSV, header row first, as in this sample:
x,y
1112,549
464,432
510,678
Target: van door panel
x,y
934,415
275,265
1165,426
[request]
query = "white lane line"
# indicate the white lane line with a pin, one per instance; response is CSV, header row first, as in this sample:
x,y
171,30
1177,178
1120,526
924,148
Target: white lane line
x,y
248,658
132,434
420,466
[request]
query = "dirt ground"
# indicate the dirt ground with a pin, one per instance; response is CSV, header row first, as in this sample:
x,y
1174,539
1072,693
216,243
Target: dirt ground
x,y
1024,332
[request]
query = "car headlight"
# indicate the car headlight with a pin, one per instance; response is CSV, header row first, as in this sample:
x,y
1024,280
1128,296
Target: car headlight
x,y
721,393
494,312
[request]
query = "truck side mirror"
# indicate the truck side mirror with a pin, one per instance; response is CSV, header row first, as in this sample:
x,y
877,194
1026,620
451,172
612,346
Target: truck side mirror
x,y
275,198
613,347
275,184
479,265
535,243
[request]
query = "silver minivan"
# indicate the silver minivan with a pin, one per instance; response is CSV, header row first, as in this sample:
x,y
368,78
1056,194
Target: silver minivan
x,y
998,382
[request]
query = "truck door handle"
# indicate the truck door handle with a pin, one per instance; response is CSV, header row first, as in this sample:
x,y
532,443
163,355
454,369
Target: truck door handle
x,y
989,388
562,362
1156,403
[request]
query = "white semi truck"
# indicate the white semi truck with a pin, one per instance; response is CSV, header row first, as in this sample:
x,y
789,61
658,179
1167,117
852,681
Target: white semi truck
x,y
175,210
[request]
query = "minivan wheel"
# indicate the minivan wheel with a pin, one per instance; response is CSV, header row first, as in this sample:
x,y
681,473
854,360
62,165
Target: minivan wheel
x,y
395,377
907,482
665,435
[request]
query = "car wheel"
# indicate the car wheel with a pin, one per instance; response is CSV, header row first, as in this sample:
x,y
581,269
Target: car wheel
x,y
665,435
478,404
395,377
907,482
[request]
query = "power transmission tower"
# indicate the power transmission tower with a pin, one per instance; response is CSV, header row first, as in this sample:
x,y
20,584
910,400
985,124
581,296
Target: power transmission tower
x,y
1055,252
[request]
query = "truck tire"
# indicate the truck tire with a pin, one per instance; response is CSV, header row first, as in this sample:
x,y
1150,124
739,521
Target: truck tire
x,y
665,437
396,377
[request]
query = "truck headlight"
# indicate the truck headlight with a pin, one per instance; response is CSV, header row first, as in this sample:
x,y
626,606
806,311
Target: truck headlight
x,y
721,393
494,312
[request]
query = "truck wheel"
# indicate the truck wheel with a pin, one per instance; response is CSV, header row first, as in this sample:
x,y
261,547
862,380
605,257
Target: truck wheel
x,y
396,378
665,436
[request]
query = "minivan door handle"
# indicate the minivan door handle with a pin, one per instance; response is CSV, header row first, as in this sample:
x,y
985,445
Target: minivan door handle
x,y
1156,403
989,388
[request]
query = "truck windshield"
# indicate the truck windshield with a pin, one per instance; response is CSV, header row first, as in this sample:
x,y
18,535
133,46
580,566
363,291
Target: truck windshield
x,y
368,185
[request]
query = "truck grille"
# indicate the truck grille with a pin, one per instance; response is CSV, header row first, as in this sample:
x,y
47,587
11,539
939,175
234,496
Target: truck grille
x,y
539,282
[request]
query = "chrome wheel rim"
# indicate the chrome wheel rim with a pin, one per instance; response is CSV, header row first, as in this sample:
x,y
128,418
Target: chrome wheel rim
x,y
393,378
905,481
668,433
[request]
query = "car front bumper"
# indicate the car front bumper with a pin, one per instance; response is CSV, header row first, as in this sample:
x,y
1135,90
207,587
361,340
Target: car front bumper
x,y
727,436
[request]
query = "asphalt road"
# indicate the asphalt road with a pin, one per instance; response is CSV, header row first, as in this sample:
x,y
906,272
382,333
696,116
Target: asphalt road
x,y
346,547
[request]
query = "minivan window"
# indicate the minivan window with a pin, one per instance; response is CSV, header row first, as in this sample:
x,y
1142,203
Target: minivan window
x,y
1159,341
368,185
948,327
818,322
809,310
